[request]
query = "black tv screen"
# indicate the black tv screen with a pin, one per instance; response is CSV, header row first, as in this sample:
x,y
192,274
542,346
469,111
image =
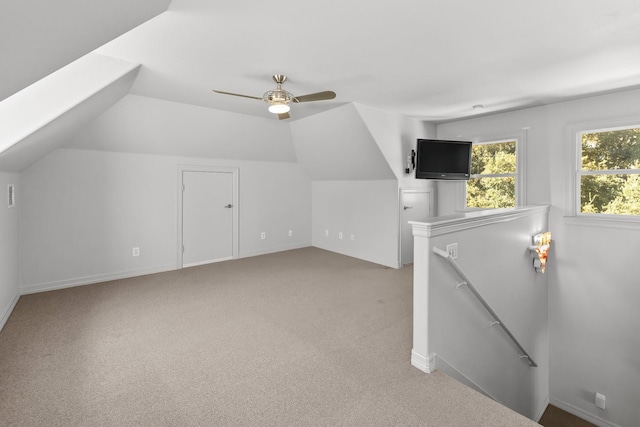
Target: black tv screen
x,y
442,159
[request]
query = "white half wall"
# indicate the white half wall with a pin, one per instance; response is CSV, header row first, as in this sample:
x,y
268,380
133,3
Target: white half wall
x,y
83,212
365,212
9,277
450,322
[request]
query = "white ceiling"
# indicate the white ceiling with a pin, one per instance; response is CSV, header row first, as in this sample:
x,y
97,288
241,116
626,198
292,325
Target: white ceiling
x,y
429,59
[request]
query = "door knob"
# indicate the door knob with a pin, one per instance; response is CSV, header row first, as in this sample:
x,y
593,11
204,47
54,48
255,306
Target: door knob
x,y
408,207
229,206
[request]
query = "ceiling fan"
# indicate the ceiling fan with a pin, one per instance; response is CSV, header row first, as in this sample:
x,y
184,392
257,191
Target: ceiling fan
x,y
279,99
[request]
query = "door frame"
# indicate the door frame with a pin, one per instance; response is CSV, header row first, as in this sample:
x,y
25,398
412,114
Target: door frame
x,y
423,190
236,208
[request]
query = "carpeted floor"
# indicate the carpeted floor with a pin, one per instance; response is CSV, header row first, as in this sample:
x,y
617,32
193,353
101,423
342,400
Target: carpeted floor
x,y
298,338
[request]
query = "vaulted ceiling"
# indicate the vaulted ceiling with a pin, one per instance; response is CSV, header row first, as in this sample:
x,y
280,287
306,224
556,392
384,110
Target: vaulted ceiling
x,y
429,59
37,37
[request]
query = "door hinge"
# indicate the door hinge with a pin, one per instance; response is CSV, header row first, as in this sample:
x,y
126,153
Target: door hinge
x,y
183,187
182,248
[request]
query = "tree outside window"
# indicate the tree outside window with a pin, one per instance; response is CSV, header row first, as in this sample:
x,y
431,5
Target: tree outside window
x,y
493,175
609,175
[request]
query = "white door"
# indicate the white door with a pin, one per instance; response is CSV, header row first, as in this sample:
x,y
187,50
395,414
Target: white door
x,y
207,217
415,206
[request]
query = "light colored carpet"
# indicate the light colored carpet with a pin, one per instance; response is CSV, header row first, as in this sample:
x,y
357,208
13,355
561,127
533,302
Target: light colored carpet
x,y
297,338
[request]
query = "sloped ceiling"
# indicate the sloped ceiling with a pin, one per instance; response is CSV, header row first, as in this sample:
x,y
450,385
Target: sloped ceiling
x,y
432,60
429,60
138,124
42,117
336,145
37,37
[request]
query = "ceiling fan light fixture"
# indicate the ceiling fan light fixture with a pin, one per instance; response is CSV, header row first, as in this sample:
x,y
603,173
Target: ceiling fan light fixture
x,y
279,99
279,108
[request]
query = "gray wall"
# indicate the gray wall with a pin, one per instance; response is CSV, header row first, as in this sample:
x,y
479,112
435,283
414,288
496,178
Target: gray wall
x,y
119,169
9,277
356,156
364,210
115,187
593,269
594,292
84,211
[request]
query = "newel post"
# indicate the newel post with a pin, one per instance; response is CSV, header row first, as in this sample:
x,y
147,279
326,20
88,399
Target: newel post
x,y
421,356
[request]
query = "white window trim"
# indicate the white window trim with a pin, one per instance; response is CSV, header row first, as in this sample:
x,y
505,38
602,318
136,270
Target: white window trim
x,y
573,215
521,162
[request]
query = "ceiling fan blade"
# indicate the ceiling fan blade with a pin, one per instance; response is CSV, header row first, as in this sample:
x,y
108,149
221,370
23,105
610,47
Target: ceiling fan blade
x,y
283,116
237,94
319,96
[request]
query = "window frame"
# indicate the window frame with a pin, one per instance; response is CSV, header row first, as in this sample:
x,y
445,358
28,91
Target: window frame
x,y
577,171
520,190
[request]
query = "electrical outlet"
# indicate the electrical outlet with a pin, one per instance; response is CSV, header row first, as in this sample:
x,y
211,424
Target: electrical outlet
x,y
326,233
353,237
340,235
263,235
290,233
600,400
136,251
452,250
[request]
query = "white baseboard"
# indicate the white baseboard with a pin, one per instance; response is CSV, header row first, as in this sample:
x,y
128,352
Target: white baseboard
x,y
7,313
593,419
423,363
81,281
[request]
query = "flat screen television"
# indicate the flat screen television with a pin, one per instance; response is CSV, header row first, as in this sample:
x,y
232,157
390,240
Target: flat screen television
x,y
443,159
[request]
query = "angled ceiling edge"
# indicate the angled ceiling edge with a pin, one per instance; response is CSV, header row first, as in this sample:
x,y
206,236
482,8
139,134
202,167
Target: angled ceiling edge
x,y
36,120
337,145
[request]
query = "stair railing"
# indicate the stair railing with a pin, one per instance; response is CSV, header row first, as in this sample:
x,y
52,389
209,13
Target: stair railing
x,y
497,320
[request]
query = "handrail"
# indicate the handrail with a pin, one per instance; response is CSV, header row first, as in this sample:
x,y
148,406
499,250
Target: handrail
x,y
486,305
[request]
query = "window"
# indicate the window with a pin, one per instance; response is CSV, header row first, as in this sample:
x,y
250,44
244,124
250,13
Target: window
x,y
494,175
608,176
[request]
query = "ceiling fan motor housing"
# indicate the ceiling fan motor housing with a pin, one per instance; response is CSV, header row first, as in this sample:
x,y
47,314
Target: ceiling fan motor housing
x,y
277,96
